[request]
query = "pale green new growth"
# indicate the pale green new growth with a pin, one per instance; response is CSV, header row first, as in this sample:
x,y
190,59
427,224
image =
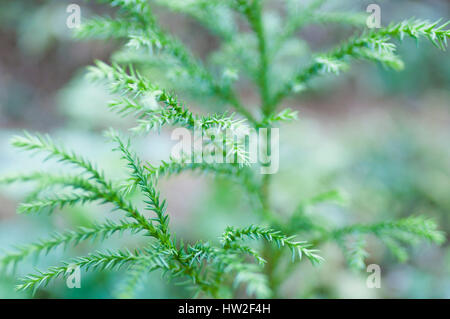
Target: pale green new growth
x,y
213,269
299,248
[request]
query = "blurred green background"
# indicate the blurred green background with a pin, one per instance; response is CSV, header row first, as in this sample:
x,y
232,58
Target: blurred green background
x,y
380,137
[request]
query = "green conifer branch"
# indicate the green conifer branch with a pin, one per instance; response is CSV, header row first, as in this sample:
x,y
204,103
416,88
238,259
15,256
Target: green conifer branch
x,y
147,185
39,143
418,227
395,234
146,32
52,203
96,261
372,46
300,248
69,237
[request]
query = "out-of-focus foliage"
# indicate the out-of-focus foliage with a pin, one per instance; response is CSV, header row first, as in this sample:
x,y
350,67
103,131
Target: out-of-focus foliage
x,y
389,174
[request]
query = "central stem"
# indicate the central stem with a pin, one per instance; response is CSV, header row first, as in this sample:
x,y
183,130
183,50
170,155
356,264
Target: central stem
x,y
255,16
256,19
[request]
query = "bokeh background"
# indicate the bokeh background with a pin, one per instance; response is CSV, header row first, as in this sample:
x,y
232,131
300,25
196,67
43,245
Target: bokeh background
x,y
380,137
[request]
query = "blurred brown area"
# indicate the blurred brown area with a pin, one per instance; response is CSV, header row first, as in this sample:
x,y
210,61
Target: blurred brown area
x,y
29,81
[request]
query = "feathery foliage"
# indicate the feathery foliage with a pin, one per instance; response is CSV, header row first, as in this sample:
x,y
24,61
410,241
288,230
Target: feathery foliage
x,y
208,267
